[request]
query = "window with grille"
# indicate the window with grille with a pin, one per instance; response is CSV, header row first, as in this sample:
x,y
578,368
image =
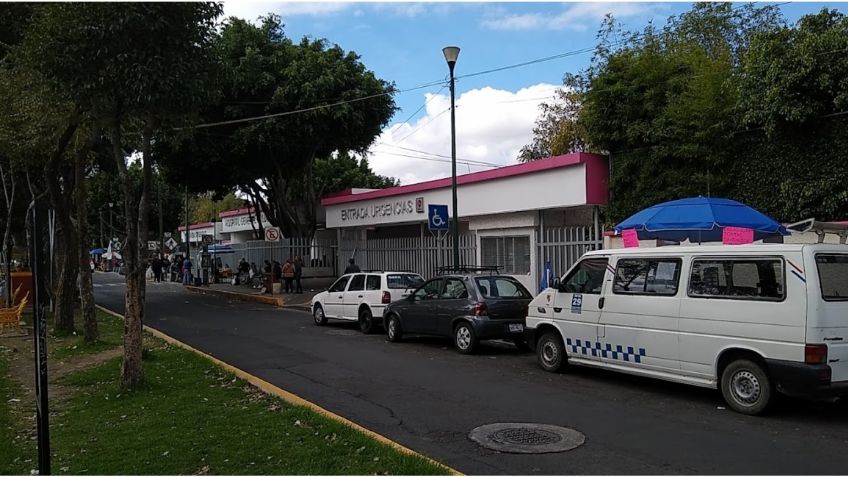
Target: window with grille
x,y
512,254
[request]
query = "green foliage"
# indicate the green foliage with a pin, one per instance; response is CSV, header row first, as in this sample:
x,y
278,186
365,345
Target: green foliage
x,y
724,101
15,448
110,328
344,171
204,207
265,73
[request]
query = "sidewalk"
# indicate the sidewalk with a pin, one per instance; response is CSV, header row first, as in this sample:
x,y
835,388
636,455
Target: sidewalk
x,y
311,287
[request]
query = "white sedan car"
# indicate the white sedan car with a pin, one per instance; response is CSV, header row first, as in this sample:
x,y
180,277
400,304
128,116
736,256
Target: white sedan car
x,y
362,297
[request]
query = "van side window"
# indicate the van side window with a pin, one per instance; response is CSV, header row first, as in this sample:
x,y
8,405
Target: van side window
x,y
738,278
833,276
587,277
647,276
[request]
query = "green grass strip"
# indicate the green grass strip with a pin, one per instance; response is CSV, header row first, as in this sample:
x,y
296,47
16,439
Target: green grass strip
x,y
16,447
194,417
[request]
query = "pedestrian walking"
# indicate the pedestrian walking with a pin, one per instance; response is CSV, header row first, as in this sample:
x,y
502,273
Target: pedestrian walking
x,y
288,275
298,273
267,268
278,271
352,267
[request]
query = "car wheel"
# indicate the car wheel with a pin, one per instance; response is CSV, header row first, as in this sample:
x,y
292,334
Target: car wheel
x,y
551,352
464,338
393,329
746,387
318,316
521,344
366,321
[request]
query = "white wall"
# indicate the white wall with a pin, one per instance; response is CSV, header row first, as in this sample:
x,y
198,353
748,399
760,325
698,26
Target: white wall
x,y
553,188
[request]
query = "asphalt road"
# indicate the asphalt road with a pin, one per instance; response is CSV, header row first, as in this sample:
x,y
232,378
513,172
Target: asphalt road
x,y
428,397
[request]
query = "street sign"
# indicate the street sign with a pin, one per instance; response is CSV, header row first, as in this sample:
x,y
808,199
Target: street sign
x,y
272,234
437,217
171,243
208,239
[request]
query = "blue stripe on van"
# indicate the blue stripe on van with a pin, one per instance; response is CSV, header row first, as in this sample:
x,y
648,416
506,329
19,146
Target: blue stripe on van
x,y
605,350
798,275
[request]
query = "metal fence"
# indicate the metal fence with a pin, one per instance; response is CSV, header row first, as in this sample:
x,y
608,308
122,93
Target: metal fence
x,y
563,246
415,254
319,256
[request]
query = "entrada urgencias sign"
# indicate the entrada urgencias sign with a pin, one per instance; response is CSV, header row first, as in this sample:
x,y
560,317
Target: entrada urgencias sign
x,y
379,210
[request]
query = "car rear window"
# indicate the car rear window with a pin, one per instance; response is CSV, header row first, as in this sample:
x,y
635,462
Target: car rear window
x,y
501,287
404,280
833,275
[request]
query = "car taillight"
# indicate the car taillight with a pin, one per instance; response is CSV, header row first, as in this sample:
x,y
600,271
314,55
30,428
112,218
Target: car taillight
x,y
480,309
387,298
815,353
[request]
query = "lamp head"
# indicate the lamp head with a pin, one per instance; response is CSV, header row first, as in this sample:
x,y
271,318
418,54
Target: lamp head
x,y
451,54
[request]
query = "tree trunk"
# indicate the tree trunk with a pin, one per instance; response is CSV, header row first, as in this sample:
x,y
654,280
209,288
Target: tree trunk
x,y
65,288
132,371
89,318
9,194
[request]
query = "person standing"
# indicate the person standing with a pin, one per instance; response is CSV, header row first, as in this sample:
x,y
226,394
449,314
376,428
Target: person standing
x,y
352,267
298,273
288,275
157,269
187,271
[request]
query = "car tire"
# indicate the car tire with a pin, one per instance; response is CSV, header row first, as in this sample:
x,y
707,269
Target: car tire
x,y
394,332
746,387
464,339
551,352
521,344
366,321
318,315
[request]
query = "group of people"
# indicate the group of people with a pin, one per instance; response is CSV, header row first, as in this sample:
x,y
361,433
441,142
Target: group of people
x,y
175,266
290,273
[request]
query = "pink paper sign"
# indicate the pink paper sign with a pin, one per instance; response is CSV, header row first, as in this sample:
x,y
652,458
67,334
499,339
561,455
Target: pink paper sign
x,y
630,238
737,236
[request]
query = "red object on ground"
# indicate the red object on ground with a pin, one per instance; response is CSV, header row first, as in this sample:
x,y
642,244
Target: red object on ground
x,y
25,280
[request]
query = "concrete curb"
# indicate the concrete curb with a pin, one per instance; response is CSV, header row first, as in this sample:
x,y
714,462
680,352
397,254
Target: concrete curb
x,y
268,300
289,397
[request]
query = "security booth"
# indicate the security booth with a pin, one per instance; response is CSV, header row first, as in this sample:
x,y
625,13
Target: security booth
x,y
515,217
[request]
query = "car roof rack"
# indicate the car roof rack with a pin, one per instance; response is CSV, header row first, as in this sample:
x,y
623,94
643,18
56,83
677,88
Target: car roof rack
x,y
469,269
821,228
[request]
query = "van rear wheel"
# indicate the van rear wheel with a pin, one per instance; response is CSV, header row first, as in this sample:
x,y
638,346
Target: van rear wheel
x,y
746,387
551,352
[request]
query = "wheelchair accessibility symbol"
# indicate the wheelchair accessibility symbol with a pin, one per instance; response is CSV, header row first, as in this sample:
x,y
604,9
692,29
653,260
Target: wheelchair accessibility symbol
x,y
437,217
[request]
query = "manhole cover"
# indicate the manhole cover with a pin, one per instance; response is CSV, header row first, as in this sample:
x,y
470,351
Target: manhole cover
x,y
342,332
527,438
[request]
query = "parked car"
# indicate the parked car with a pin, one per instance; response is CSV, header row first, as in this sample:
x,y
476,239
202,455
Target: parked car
x,y
747,319
362,297
468,307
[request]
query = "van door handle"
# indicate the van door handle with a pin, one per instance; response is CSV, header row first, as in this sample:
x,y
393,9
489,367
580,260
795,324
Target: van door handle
x,y
360,296
601,303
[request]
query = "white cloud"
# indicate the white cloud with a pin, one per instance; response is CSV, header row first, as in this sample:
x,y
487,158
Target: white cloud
x,y
491,126
575,16
251,10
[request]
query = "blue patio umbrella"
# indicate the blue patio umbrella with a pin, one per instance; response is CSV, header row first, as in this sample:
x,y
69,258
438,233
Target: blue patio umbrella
x,y
699,219
97,251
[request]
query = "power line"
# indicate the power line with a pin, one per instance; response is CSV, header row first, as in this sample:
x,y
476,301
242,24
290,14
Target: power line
x,y
434,159
472,161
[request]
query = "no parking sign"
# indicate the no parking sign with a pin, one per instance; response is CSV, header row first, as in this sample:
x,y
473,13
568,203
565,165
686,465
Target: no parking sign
x,y
272,234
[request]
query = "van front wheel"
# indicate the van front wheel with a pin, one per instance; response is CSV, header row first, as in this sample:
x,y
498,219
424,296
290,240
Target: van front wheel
x,y
551,352
746,387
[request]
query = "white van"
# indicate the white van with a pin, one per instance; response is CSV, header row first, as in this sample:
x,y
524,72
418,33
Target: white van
x,y
745,319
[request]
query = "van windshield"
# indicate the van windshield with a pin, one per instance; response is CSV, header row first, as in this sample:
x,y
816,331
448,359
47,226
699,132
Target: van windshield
x,y
833,275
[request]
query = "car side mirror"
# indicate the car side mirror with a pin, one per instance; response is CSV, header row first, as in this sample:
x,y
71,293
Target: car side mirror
x,y
556,284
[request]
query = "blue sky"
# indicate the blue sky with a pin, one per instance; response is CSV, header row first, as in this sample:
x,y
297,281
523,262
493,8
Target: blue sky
x,y
402,42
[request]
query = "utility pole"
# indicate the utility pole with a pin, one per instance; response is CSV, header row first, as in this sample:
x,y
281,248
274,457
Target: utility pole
x,y
451,55
188,229
161,227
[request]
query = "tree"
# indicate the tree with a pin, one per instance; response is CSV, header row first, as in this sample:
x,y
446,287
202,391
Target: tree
x,y
323,98
793,99
557,130
663,105
204,207
142,66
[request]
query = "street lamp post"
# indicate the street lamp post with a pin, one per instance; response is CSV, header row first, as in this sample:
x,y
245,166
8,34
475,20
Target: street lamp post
x,y
451,55
111,229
